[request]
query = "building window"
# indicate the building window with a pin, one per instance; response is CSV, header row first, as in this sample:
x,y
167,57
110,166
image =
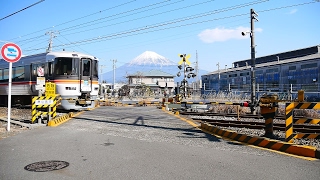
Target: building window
x,y
154,80
272,70
233,75
259,72
244,74
292,68
311,65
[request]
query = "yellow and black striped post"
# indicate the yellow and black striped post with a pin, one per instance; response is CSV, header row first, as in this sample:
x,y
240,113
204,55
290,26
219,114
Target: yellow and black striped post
x,y
268,107
290,121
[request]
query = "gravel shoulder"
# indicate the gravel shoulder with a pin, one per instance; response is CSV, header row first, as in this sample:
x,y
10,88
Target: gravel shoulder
x,y
20,115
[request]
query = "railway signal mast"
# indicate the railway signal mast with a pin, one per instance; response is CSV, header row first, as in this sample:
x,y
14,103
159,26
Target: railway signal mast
x,y
253,17
187,72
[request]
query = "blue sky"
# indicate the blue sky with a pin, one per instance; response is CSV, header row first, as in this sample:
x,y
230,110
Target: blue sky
x,y
124,29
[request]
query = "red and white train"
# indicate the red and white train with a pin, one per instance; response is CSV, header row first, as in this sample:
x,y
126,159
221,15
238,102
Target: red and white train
x,y
75,75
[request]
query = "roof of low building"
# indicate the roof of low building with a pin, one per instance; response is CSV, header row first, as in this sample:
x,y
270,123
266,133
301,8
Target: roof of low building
x,y
151,73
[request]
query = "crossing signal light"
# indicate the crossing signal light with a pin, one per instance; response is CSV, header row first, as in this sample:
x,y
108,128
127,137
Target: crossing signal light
x,y
189,69
245,104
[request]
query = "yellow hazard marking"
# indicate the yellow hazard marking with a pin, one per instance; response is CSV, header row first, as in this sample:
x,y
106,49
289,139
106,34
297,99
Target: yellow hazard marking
x,y
234,141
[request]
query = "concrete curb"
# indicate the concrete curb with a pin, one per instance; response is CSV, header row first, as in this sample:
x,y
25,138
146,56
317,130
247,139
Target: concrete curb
x,y
307,151
57,121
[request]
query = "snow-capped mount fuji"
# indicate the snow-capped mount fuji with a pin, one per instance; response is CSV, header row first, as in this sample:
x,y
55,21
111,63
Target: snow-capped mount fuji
x,y
145,62
150,58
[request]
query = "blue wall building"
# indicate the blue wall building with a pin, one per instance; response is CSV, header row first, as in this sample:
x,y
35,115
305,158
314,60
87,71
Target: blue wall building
x,y
285,72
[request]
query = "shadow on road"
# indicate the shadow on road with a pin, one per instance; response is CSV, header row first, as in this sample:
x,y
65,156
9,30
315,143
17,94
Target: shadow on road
x,y
141,120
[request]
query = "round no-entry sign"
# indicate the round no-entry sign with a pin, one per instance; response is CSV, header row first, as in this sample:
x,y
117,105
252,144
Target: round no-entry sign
x,y
11,52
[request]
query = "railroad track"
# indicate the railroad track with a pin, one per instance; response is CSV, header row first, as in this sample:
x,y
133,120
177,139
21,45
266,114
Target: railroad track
x,y
299,128
258,116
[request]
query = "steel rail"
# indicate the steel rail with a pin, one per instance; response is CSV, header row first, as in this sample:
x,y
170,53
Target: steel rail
x,y
302,128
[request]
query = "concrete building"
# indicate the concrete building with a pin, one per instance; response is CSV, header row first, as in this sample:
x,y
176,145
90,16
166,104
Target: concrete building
x,y
154,82
285,72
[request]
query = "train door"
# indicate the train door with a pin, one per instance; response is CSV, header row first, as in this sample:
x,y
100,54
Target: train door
x,y
34,71
86,75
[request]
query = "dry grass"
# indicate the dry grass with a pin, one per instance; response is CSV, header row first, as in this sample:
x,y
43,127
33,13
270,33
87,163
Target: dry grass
x,y
228,109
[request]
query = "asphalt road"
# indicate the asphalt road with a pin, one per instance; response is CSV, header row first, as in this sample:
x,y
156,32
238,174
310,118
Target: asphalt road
x,y
139,143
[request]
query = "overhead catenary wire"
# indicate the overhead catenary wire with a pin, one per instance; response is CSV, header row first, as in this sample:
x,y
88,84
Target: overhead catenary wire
x,y
132,31
79,26
45,29
21,10
180,19
261,11
125,12
150,15
168,22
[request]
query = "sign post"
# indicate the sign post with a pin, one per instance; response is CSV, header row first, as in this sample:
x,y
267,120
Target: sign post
x,y
11,53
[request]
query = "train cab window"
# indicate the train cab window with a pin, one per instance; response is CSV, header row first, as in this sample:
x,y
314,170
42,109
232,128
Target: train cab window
x,y
95,68
75,66
86,66
63,66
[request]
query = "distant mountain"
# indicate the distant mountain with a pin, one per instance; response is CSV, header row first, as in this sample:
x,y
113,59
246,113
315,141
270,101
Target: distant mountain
x,y
145,62
152,59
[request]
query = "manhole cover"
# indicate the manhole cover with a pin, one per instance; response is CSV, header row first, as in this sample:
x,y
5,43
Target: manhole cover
x,y
44,166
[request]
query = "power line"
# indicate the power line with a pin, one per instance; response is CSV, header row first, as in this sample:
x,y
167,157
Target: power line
x,y
21,10
77,18
151,15
193,16
126,33
177,20
80,25
150,5
169,23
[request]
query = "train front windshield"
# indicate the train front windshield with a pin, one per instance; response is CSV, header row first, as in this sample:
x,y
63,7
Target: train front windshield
x,y
66,66
71,66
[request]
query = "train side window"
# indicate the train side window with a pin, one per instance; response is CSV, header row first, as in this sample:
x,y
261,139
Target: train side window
x,y
18,74
1,74
6,74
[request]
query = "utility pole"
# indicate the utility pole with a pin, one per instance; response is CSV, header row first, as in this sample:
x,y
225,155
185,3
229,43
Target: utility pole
x,y
101,87
197,72
52,35
253,17
114,73
218,64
